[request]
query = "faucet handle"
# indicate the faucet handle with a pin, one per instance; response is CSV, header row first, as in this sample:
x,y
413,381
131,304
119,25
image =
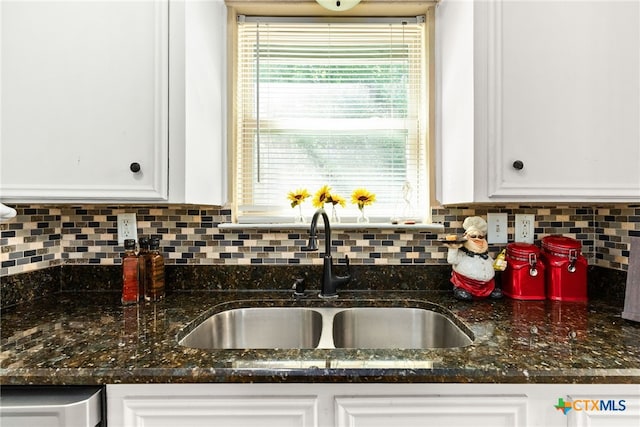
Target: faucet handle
x,y
346,260
298,287
312,246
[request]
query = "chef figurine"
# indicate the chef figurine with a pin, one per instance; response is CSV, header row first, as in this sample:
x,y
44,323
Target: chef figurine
x,y
473,268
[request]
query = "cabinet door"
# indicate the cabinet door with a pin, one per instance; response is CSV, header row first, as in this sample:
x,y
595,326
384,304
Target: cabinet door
x,y
84,96
197,405
419,411
554,86
604,409
566,100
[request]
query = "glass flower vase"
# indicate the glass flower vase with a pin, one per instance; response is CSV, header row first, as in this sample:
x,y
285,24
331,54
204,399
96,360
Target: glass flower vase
x,y
362,219
299,218
335,218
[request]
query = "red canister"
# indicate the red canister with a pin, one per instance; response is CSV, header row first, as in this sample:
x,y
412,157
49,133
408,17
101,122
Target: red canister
x,y
566,274
524,276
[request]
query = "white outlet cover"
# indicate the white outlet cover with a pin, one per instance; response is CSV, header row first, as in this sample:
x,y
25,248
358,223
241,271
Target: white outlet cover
x,y
525,228
127,227
497,227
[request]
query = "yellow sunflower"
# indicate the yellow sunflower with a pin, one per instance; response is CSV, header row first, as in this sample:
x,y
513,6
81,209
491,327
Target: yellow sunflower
x,y
298,196
322,196
362,198
335,199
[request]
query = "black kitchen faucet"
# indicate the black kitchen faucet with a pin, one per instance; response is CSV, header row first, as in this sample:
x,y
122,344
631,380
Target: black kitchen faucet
x,y
330,282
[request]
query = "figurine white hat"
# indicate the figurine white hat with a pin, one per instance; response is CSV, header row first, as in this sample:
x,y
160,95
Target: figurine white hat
x,y
475,224
6,213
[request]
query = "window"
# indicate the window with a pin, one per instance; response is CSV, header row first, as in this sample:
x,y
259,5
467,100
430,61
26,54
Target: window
x,y
338,102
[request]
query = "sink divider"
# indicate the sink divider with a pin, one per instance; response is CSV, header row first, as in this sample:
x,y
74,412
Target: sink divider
x,y
326,338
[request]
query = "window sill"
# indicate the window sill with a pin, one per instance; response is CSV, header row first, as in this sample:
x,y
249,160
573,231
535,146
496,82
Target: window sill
x,y
339,226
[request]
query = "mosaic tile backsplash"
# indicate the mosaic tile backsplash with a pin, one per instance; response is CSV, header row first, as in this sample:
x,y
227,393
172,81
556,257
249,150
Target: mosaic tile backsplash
x,y
45,236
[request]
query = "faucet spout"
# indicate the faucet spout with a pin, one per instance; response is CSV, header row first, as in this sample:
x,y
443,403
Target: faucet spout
x,y
330,281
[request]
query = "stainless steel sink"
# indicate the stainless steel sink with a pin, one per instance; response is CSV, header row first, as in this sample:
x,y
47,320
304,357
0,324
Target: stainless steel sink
x,y
394,327
264,327
327,327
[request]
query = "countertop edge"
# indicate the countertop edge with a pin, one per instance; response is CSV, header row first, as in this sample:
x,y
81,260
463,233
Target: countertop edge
x,y
74,376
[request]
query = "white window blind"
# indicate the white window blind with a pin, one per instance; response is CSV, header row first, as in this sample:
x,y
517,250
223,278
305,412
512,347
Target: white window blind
x,y
338,102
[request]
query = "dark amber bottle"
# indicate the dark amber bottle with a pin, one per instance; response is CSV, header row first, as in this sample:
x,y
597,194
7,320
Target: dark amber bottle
x,y
130,280
143,254
154,288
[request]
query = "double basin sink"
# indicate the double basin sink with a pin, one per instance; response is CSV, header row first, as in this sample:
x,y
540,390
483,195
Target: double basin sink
x,y
328,328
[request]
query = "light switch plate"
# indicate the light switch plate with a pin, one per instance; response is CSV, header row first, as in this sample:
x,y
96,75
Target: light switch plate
x,y
497,231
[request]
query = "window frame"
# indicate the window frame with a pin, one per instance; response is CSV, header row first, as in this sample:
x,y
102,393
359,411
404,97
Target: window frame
x,y
311,9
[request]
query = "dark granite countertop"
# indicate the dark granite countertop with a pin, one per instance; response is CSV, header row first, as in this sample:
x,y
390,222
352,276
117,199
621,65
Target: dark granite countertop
x,y
89,338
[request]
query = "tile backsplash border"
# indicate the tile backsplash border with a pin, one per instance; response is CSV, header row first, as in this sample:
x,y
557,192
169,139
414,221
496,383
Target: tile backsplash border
x,y
43,236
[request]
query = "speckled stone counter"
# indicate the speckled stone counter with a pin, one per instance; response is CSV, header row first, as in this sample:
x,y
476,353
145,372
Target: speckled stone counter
x,y
89,338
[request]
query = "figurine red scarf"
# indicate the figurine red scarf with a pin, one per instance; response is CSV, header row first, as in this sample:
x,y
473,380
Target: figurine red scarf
x,y
476,288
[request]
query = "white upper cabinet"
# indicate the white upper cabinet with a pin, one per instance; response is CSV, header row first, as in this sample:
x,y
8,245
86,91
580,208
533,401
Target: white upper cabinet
x,y
84,97
86,113
197,108
538,101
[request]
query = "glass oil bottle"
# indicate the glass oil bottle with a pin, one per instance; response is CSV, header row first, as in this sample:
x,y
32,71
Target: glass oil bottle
x,y
130,278
154,286
143,255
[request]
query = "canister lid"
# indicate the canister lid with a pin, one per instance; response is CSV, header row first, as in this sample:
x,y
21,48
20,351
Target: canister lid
x,y
560,243
520,249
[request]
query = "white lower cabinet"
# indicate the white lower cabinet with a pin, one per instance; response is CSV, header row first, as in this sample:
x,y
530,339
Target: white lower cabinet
x,y
196,405
472,411
198,411
371,405
617,409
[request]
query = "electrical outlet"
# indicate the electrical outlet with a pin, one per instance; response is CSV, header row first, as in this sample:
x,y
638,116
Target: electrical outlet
x,y
497,227
525,228
127,227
